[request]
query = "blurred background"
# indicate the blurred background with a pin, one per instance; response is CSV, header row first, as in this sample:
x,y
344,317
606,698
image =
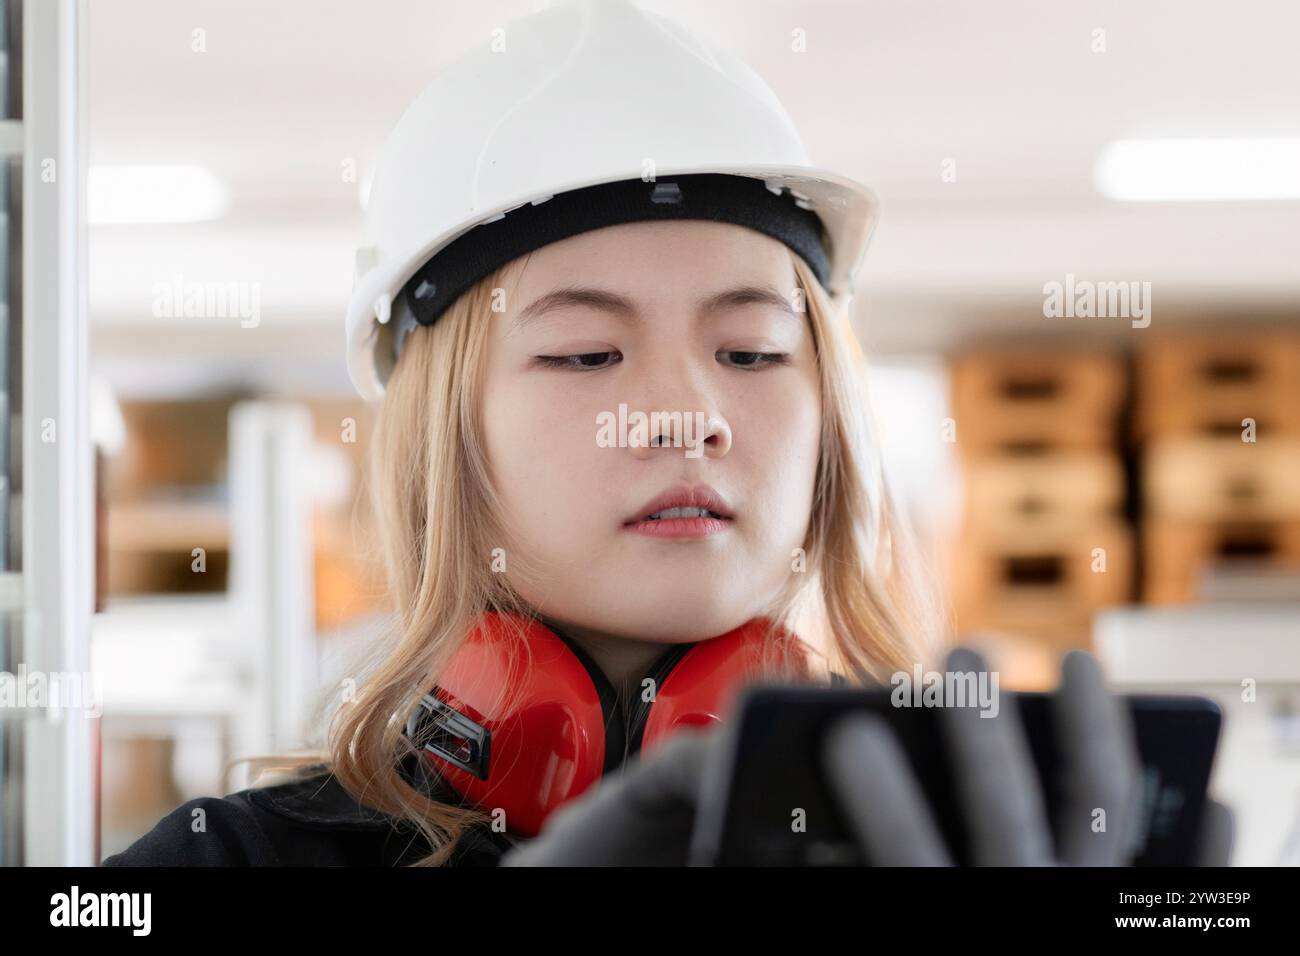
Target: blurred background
x,y
1081,311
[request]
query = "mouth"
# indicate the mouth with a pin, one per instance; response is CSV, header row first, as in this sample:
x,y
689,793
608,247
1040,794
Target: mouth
x,y
668,514
685,511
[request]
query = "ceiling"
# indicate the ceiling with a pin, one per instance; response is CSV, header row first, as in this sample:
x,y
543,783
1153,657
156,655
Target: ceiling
x,y
289,91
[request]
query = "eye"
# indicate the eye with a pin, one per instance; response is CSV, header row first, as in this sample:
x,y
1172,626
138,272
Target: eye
x,y
582,362
754,360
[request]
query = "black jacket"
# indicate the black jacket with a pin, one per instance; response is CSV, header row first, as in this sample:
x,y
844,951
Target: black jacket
x,y
311,821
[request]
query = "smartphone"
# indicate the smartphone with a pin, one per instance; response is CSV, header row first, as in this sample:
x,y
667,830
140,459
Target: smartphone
x,y
772,765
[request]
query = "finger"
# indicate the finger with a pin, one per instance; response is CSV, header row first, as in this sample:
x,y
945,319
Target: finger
x,y
997,785
1217,829
879,796
669,779
1099,814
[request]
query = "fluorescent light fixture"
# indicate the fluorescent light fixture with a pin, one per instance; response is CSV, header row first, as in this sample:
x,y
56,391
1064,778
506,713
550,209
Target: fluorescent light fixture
x,y
1182,170
155,194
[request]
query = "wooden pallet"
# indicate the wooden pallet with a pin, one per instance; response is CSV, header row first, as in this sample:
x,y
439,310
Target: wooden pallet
x,y
1055,486
1177,553
1222,479
1207,384
1034,400
1040,564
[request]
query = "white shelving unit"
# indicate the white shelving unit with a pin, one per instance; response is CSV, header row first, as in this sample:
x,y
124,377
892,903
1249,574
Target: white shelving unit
x,y
49,766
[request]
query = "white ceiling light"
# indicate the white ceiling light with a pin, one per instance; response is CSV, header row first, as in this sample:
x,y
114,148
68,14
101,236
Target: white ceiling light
x,y
155,194
1155,170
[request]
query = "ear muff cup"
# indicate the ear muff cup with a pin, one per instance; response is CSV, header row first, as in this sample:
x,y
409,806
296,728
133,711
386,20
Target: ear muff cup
x,y
611,711
523,720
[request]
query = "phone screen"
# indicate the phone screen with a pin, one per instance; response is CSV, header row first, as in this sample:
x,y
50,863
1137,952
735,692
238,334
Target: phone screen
x,y
769,802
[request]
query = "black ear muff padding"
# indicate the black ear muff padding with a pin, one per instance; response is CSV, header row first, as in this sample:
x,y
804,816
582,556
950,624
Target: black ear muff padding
x,y
658,673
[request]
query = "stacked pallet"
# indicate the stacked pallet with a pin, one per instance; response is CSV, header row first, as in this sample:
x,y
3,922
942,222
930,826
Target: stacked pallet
x,y
1044,543
165,496
1218,418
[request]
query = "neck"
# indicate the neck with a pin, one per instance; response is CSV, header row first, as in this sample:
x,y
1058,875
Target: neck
x,y
622,660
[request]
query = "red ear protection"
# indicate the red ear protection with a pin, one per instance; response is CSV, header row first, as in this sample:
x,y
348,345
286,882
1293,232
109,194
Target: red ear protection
x,y
527,725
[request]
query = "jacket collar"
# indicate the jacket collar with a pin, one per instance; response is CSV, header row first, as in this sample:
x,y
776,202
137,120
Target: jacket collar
x,y
316,798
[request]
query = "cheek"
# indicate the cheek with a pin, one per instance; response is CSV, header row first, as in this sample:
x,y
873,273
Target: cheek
x,y
781,446
541,452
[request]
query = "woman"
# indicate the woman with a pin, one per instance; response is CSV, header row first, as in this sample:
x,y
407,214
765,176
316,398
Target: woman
x,y
597,218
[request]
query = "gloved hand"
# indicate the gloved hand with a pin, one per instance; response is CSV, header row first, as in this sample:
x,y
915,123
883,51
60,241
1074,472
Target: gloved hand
x,y
639,817
997,786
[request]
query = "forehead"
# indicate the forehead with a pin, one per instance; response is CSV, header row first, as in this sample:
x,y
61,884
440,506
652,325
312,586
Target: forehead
x,y
657,259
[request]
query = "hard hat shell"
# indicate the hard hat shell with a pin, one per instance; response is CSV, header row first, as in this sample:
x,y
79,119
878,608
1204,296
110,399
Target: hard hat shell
x,y
579,94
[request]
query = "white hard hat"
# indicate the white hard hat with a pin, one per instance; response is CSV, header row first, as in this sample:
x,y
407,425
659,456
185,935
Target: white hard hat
x,y
577,95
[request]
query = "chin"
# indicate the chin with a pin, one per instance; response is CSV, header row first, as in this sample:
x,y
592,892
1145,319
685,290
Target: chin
x,y
682,621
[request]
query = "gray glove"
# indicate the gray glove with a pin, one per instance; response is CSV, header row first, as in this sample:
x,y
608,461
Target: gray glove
x,y
641,816
997,786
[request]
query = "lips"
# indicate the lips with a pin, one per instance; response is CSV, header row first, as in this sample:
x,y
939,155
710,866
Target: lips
x,y
683,496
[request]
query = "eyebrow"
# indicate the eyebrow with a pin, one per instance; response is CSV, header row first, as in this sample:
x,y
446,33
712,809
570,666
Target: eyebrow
x,y
624,308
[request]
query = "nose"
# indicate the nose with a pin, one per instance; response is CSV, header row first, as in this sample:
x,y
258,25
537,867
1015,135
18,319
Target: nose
x,y
690,434
689,425
717,436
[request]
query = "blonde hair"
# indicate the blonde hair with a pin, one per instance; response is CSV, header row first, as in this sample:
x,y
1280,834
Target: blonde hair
x,y
437,517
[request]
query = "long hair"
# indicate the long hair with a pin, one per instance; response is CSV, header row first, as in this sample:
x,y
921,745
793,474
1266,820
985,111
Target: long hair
x,y
438,521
